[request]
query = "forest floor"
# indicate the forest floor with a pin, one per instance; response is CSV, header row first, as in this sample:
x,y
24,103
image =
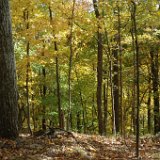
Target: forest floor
x,y
79,147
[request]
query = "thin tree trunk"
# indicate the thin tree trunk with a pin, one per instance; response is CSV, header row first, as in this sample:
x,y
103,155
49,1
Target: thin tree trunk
x,y
110,61
27,89
78,121
82,104
60,111
112,98
116,89
134,23
44,89
134,83
32,104
149,106
120,71
69,118
26,18
105,109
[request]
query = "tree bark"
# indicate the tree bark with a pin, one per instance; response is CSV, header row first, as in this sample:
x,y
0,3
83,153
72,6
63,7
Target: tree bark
x,y
105,105
69,117
99,70
8,87
60,111
134,84
26,17
116,89
149,106
134,26
44,90
155,85
120,70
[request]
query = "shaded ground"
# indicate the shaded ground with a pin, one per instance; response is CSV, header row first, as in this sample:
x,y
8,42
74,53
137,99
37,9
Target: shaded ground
x,y
87,147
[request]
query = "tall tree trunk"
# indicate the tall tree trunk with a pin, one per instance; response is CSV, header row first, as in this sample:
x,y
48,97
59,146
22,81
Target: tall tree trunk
x,y
149,106
155,85
60,111
112,97
116,89
99,70
69,117
8,87
44,89
105,109
133,117
32,104
134,84
120,70
81,109
134,25
26,18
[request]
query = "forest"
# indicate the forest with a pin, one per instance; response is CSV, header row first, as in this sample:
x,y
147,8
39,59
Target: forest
x,y
79,79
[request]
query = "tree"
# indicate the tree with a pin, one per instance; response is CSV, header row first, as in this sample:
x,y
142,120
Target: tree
x,y
116,89
26,19
99,69
84,44
154,75
8,87
134,29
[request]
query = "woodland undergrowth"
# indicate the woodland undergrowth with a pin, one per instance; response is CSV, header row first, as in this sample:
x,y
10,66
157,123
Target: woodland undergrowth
x,y
78,147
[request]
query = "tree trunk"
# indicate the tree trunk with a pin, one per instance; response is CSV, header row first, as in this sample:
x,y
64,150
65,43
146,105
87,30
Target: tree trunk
x,y
44,89
134,29
99,70
155,85
26,17
78,121
105,109
69,117
134,84
149,106
116,89
8,87
60,111
32,105
120,70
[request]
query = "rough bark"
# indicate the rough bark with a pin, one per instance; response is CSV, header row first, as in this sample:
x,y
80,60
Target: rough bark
x,y
8,87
